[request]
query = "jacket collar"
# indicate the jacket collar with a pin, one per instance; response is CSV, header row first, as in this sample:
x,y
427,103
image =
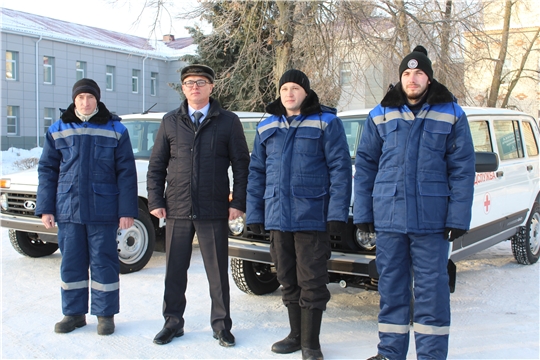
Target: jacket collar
x,y
437,94
102,117
213,111
309,106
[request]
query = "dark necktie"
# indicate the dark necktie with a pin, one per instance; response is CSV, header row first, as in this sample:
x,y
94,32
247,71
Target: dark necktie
x,y
197,115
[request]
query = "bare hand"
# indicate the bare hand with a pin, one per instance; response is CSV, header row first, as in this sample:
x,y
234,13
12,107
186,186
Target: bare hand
x,y
47,220
160,213
125,222
235,213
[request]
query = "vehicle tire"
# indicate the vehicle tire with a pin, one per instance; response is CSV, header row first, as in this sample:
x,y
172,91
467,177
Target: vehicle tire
x,y
29,246
526,243
136,244
253,278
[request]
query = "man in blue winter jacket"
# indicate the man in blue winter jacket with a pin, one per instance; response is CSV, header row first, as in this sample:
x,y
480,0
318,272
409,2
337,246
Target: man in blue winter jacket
x,y
88,186
299,188
414,186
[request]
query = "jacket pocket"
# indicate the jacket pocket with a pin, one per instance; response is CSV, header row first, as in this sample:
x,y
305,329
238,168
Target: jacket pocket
x,y
307,141
309,203
270,142
433,203
65,146
384,202
104,148
388,133
435,134
105,200
63,201
271,206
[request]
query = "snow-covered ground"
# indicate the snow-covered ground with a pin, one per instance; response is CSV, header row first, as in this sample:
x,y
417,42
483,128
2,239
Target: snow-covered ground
x,y
495,313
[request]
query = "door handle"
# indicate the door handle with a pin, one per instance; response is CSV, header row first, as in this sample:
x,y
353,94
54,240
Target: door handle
x,y
499,173
529,167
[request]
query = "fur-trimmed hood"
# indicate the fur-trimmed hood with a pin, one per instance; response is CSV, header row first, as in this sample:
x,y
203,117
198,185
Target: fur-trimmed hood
x,y
102,117
310,105
437,94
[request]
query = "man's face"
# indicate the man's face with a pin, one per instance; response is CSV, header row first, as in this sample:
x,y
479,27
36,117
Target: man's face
x,y
197,96
85,103
292,96
414,83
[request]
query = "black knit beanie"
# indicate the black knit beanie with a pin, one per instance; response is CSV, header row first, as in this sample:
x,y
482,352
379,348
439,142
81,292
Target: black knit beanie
x,y
297,77
417,60
86,86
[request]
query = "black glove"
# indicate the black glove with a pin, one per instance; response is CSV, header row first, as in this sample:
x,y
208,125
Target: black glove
x,y
452,234
257,228
366,227
335,227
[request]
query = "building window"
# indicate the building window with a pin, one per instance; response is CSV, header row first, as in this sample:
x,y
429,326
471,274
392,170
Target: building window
x,y
81,69
506,75
109,77
135,81
48,119
48,70
345,74
153,84
12,59
12,120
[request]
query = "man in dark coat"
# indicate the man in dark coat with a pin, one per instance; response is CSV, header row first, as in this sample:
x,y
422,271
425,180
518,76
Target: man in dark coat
x,y
88,185
414,186
300,181
194,148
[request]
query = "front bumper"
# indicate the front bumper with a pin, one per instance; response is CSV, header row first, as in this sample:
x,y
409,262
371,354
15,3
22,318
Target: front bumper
x,y
339,262
28,224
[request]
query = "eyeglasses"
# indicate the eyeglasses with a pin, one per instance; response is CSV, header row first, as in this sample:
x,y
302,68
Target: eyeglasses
x,y
200,83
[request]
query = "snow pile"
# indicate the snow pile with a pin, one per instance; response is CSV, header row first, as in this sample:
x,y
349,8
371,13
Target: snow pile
x,y
15,160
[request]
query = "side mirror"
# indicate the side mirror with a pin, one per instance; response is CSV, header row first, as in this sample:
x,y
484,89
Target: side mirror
x,y
486,161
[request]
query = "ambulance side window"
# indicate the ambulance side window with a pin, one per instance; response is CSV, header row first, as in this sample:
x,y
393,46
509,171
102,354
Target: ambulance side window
x,y
508,139
530,142
481,136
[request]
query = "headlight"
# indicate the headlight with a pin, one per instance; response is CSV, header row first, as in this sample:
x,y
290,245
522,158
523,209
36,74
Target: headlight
x,y
4,202
236,226
5,183
366,240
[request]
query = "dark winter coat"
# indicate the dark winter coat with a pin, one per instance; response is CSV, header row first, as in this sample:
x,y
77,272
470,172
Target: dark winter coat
x,y
87,171
300,174
415,174
194,165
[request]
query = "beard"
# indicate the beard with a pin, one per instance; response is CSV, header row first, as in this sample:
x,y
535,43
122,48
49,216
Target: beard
x,y
414,97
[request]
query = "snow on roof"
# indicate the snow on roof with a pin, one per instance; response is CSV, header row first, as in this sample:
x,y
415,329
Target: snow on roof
x,y
30,24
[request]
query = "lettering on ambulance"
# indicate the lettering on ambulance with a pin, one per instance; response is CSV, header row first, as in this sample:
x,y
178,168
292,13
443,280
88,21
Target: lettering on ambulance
x,y
483,177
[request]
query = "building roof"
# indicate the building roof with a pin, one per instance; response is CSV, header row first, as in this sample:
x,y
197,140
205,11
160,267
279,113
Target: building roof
x,y
23,23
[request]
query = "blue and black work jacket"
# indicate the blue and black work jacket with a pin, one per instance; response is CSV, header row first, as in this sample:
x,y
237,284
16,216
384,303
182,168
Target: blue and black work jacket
x,y
300,174
415,174
87,172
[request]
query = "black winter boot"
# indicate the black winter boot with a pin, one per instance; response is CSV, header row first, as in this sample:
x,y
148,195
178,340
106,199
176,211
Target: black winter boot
x,y
292,342
105,325
70,323
311,327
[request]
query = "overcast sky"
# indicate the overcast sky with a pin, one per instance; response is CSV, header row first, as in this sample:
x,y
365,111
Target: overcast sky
x,y
116,15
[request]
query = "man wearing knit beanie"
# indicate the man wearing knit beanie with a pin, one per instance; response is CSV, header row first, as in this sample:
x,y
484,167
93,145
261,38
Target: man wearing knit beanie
x,y
305,143
413,187
88,188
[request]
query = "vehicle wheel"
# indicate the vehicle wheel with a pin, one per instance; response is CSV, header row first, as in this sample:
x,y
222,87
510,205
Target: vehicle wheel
x,y
526,243
28,244
253,278
136,244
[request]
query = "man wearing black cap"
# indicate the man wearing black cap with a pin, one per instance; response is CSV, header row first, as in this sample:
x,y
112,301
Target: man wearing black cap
x,y
193,149
413,186
299,188
88,186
